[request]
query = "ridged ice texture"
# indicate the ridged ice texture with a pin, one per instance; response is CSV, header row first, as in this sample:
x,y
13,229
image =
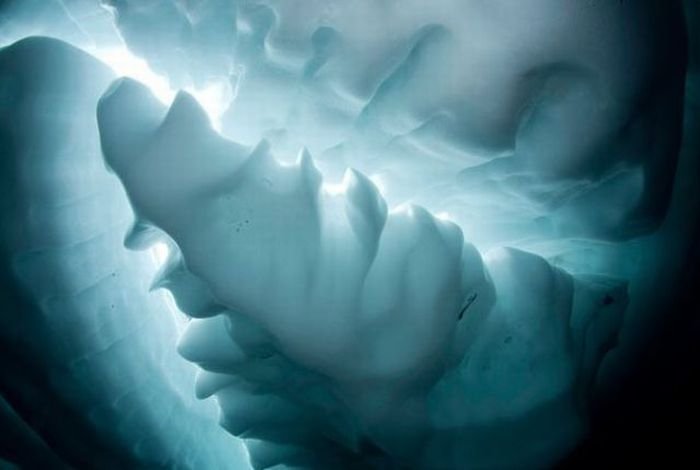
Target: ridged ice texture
x,y
566,118
336,332
90,377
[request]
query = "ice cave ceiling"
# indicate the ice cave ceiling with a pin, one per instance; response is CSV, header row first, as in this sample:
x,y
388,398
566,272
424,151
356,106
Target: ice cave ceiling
x,y
331,234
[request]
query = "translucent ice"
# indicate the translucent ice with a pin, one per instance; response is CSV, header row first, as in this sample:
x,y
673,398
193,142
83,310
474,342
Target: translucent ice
x,y
89,372
550,128
434,307
321,309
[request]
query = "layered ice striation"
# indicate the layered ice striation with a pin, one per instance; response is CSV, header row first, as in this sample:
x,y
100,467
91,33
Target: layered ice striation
x,y
90,377
335,330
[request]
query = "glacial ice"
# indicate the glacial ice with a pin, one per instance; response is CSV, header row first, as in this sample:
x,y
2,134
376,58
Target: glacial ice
x,y
89,368
322,332
547,129
418,343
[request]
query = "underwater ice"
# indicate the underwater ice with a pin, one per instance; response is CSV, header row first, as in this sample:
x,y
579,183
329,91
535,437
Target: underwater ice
x,y
408,339
90,375
446,303
541,130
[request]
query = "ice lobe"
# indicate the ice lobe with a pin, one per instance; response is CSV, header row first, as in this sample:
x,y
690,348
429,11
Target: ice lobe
x,y
332,258
334,331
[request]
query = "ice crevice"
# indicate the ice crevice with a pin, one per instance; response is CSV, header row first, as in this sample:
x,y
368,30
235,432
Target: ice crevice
x,y
352,323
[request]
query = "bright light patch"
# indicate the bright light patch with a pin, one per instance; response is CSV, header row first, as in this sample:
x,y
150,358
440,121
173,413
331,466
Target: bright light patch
x,y
126,64
334,189
379,183
214,98
443,216
160,252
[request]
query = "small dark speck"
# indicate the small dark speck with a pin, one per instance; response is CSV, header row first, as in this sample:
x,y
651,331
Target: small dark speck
x,y
468,303
508,339
247,221
112,305
608,299
114,274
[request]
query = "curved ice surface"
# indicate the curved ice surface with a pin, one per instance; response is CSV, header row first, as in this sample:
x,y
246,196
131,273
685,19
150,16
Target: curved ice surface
x,y
588,92
89,374
557,110
334,330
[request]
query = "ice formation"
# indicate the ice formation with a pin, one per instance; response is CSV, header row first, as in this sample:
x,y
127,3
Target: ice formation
x,y
402,233
447,86
416,343
88,354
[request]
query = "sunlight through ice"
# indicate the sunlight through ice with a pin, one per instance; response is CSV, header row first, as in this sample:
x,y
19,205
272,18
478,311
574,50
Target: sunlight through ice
x,y
159,253
214,98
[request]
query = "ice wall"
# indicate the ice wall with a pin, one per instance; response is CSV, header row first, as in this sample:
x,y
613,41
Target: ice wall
x,y
90,376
